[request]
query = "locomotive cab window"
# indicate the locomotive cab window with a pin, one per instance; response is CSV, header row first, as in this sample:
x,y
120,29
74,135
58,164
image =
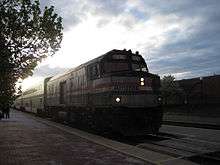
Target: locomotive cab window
x,y
139,67
115,67
136,67
136,58
119,57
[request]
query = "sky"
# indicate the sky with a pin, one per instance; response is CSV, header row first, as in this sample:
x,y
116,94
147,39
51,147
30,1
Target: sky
x,y
177,37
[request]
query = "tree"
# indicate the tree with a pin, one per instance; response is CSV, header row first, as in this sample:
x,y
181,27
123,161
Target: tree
x,y
27,35
170,89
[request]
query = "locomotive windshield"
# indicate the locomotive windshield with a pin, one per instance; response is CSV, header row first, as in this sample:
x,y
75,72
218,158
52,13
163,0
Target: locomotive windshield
x,y
139,67
138,64
116,67
136,58
122,62
119,57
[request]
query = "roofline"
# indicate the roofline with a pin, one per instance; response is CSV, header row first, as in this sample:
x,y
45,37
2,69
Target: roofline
x,y
85,64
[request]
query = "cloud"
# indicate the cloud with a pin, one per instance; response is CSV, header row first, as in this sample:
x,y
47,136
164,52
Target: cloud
x,y
72,11
40,73
192,49
175,37
107,7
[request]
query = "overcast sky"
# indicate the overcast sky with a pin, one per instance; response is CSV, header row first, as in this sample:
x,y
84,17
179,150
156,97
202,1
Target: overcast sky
x,y
178,37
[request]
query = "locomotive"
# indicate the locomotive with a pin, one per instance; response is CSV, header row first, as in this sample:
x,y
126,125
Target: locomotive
x,y
114,92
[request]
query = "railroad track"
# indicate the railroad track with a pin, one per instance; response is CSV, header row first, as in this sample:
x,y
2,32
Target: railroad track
x,y
196,125
180,147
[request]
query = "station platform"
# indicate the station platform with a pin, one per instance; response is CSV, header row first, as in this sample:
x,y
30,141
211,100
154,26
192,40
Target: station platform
x,y
26,141
29,140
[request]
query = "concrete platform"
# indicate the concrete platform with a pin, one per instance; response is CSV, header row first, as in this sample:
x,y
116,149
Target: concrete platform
x,y
25,139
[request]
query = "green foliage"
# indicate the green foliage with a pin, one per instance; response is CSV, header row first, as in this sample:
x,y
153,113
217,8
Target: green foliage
x,y
27,35
169,88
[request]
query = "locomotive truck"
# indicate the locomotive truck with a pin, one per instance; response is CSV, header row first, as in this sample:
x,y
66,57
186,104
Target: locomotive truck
x,y
113,92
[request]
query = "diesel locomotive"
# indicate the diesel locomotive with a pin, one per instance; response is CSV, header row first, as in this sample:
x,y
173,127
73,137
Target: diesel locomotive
x,y
113,92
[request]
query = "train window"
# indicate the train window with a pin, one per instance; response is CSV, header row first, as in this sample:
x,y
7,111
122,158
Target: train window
x,y
136,58
71,85
137,67
115,67
82,81
62,92
119,57
79,82
144,68
49,90
52,89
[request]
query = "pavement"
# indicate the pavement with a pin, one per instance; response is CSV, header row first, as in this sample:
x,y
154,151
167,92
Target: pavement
x,y
29,140
26,141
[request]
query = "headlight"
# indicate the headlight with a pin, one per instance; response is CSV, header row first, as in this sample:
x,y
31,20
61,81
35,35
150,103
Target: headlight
x,y
159,99
117,99
142,81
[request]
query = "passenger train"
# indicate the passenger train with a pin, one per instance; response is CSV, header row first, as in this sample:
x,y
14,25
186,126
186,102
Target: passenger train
x,y
113,92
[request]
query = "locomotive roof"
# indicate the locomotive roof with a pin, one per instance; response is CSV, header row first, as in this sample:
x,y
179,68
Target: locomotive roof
x,y
34,90
36,93
75,68
114,51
